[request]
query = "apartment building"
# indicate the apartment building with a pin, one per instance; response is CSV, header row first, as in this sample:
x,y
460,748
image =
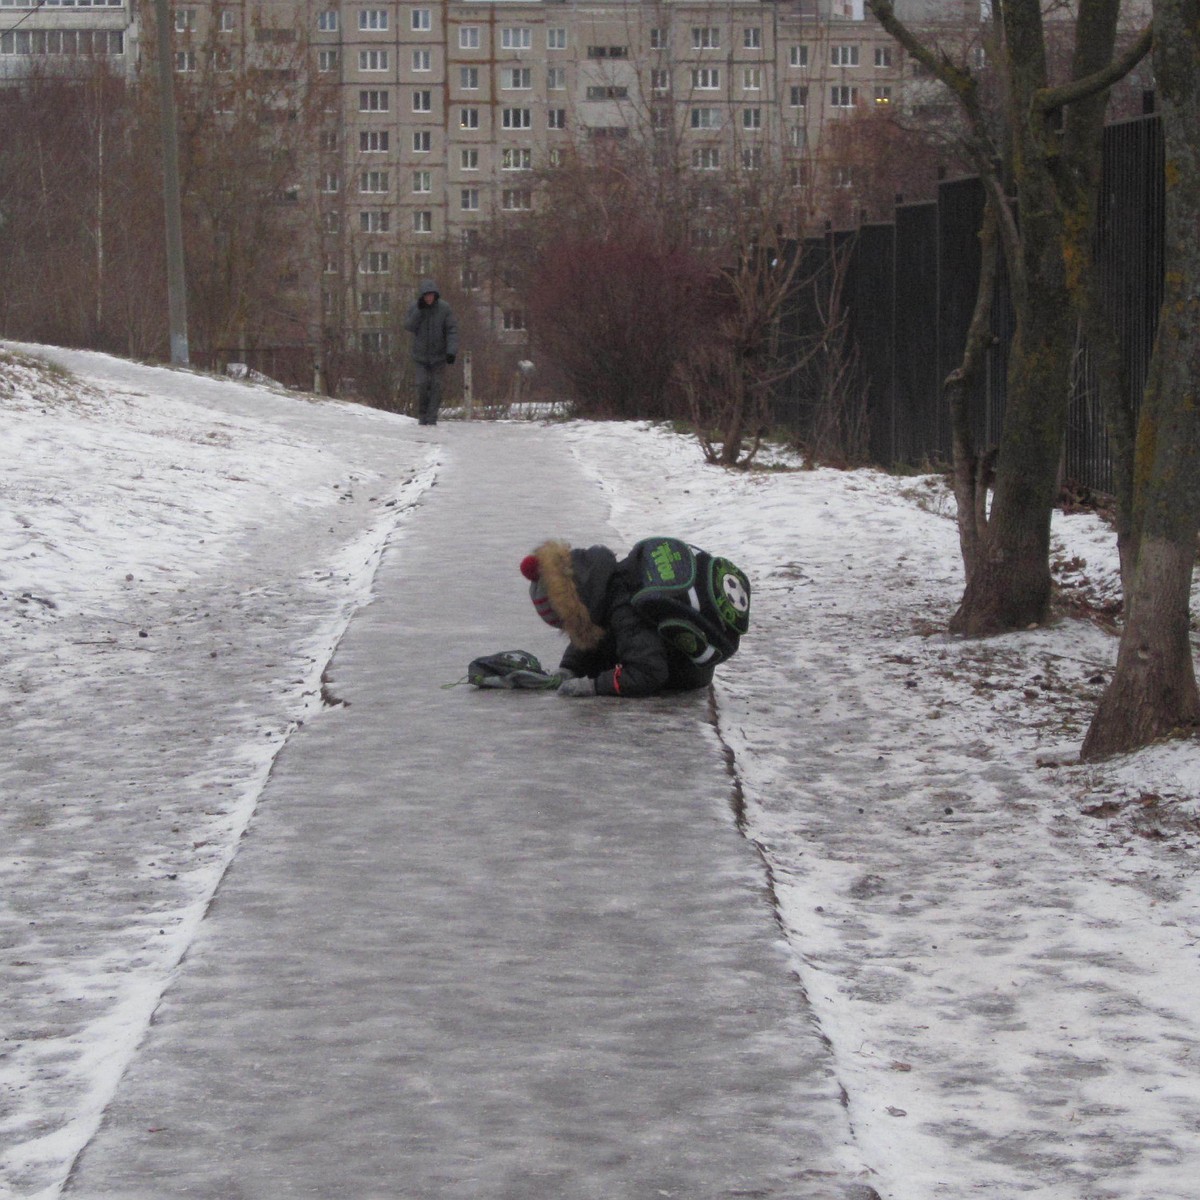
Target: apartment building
x,y
437,116
53,34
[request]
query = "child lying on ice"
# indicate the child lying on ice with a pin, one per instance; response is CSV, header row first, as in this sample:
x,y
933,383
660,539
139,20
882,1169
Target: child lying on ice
x,y
660,619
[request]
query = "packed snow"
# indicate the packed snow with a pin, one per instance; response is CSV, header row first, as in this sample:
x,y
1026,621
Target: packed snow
x,y
998,942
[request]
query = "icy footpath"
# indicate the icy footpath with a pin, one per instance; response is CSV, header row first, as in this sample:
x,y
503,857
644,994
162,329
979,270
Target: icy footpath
x,y
178,557
472,944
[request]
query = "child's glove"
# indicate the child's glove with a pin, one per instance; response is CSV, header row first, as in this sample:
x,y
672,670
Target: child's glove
x,y
577,687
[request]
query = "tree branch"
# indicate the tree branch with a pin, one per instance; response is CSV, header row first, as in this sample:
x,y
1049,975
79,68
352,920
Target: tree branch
x,y
1048,99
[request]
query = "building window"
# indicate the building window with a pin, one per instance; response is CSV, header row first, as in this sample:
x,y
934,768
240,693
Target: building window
x,y
556,39
332,222
468,118
843,56
658,39
608,52
798,56
798,137
843,96
751,118
705,118
185,20
882,95
706,158
707,37
514,320
556,79
228,22
468,79
798,96
373,341
327,60
752,158
660,117
422,181
516,158
422,20
374,302
660,81
516,38
327,22
752,79
374,220
330,183
607,93
423,221
706,78
422,141
329,140
185,60
468,37
556,118
370,19
752,38
517,118
469,160
373,181
469,200
376,100
516,79
422,101
883,56
373,141
516,199
422,60
372,60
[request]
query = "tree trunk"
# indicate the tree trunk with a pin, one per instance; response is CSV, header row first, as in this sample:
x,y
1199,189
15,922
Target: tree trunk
x,y
1153,690
972,471
1010,585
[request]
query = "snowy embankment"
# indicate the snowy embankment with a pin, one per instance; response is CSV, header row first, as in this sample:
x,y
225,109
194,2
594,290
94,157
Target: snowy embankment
x,y
178,558
997,941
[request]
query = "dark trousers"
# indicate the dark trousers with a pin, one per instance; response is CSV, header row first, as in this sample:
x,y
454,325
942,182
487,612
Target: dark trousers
x,y
429,391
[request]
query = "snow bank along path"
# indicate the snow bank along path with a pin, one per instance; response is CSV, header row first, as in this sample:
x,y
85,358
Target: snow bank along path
x,y
167,619
1009,985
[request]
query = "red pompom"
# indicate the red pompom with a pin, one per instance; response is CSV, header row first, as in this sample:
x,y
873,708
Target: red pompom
x,y
530,567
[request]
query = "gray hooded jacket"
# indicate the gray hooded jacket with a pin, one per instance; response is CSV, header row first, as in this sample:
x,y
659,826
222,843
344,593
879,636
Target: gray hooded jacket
x,y
434,329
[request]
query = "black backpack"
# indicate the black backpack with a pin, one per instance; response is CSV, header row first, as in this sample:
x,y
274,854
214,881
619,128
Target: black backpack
x,y
699,603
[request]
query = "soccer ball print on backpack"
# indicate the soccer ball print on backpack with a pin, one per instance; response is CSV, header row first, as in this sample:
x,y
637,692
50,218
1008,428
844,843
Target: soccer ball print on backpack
x,y
699,602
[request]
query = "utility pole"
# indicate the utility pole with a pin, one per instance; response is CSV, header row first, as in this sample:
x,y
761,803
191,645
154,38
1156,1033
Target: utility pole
x,y
176,282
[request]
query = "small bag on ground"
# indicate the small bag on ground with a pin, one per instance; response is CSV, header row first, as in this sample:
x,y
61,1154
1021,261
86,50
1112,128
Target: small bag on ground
x,y
510,669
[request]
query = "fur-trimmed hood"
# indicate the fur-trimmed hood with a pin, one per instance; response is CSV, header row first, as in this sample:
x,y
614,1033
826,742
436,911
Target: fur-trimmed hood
x,y
576,583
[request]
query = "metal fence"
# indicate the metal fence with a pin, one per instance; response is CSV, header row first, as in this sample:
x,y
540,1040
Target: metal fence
x,y
909,291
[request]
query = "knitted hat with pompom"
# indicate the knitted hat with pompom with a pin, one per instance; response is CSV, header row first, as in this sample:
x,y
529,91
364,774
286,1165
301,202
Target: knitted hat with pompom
x,y
531,568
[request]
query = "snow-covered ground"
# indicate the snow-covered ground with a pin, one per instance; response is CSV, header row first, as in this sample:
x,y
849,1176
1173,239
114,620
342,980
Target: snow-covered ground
x,y
999,943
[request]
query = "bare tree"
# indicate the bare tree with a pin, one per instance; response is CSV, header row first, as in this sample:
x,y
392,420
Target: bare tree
x,y
1009,585
1153,691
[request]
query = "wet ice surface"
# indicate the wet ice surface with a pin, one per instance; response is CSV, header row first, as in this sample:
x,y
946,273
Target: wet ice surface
x,y
999,945
483,944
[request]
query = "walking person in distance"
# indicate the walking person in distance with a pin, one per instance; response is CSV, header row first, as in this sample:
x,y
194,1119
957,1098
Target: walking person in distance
x,y
434,331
